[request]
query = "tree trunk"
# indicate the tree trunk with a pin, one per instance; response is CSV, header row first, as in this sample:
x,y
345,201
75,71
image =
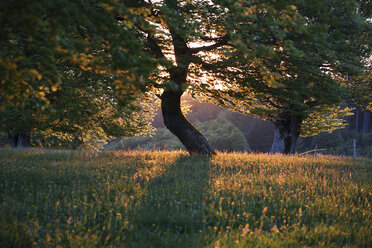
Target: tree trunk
x,y
357,121
19,140
12,140
365,122
286,133
175,121
23,140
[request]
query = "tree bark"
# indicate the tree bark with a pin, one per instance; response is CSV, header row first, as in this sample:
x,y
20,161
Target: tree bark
x,y
286,133
19,140
175,121
23,140
365,122
356,120
12,140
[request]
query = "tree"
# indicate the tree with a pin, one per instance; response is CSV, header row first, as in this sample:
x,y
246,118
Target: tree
x,y
37,36
307,49
188,39
361,89
84,112
171,30
48,49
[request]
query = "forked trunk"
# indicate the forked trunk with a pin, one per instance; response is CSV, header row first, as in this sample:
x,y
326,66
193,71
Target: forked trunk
x,y
175,121
19,140
286,133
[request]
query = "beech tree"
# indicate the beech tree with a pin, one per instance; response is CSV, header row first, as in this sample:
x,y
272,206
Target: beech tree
x,y
179,34
37,36
308,49
197,42
281,60
45,46
84,112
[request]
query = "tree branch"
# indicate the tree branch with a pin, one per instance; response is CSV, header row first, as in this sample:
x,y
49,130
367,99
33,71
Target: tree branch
x,y
268,100
153,45
155,48
207,66
221,42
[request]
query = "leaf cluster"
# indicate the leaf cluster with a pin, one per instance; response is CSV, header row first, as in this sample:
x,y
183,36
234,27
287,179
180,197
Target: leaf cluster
x,y
37,36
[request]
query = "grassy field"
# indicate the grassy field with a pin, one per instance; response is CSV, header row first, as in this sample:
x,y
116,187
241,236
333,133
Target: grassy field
x,y
168,199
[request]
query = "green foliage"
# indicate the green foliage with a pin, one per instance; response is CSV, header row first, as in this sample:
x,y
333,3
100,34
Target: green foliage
x,y
223,136
259,133
87,59
84,113
339,142
167,199
325,119
71,72
38,36
292,57
174,33
162,139
220,133
361,89
3,140
201,111
365,7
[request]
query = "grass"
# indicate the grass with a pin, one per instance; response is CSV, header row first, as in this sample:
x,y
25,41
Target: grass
x,y
168,199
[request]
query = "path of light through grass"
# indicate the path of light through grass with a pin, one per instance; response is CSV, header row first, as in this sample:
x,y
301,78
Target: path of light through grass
x,y
168,199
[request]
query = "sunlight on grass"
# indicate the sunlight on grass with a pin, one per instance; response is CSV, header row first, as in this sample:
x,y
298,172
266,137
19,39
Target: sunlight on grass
x,y
168,199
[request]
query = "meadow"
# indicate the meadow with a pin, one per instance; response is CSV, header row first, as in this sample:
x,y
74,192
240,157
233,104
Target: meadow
x,y
169,199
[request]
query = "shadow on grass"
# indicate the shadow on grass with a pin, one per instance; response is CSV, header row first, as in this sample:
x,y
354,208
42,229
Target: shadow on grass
x,y
171,213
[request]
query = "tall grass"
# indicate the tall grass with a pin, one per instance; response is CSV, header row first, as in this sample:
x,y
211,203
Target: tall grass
x,y
168,199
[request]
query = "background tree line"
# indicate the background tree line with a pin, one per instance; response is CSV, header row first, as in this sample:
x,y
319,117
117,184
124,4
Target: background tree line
x,y
76,73
240,132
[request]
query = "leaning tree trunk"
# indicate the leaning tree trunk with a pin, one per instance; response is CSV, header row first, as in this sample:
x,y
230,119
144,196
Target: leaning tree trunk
x,y
175,121
12,139
19,140
286,133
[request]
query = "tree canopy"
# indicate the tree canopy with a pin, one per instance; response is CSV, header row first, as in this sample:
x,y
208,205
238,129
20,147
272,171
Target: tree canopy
x,y
70,71
84,112
37,36
292,62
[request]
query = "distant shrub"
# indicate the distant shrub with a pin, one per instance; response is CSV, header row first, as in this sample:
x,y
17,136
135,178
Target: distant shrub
x,y
223,136
220,133
258,133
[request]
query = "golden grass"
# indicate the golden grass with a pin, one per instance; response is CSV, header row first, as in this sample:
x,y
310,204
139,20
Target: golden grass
x,y
168,199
